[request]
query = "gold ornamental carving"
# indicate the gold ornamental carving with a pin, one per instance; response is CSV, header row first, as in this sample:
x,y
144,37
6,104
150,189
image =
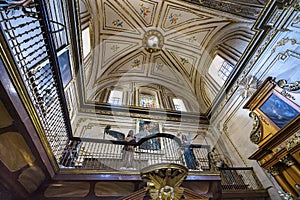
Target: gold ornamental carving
x,y
274,171
288,160
164,181
293,141
256,133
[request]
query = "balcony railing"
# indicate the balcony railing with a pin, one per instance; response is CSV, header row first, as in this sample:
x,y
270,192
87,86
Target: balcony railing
x,y
34,33
243,178
109,155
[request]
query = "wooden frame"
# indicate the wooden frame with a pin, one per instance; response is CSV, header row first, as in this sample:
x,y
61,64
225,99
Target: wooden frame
x,y
278,110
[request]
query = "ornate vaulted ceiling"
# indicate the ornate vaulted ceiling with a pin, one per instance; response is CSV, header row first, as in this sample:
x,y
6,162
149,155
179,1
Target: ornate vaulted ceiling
x,y
189,35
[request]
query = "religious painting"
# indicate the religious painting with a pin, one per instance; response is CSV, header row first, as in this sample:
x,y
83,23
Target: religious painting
x,y
147,100
146,129
279,111
64,66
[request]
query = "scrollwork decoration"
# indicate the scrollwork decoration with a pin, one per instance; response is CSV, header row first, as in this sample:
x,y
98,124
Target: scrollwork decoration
x,y
293,141
256,133
289,86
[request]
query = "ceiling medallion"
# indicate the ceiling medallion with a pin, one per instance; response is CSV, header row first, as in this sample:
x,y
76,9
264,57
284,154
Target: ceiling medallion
x,y
153,41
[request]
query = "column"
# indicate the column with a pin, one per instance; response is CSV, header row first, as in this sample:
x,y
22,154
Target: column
x,y
293,169
281,181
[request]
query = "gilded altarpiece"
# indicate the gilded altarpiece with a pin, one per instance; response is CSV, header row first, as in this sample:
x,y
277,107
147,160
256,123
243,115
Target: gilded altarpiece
x,y
275,110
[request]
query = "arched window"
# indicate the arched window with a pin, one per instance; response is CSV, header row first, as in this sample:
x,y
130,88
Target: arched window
x,y
225,70
115,97
85,21
220,70
179,105
86,41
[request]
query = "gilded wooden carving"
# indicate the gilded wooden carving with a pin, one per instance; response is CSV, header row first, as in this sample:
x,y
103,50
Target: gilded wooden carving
x,y
255,135
165,180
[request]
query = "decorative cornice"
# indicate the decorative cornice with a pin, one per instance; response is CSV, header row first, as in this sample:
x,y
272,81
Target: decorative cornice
x,y
232,7
140,112
293,141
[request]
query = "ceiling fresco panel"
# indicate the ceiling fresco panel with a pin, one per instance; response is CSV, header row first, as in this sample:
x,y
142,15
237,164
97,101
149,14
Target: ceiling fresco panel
x,y
145,11
193,39
116,20
161,68
136,64
114,49
175,16
186,61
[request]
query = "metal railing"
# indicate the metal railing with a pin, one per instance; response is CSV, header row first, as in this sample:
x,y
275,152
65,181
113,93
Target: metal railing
x,y
239,178
29,32
101,154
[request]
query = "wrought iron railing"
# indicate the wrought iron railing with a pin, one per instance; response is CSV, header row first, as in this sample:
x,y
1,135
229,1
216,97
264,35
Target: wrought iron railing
x,y
33,33
100,154
239,178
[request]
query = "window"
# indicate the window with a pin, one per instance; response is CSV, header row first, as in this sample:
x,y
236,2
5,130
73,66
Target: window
x,y
148,100
86,42
179,105
220,70
115,97
225,70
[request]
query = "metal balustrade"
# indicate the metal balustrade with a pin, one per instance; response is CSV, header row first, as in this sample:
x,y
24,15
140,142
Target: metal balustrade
x,y
27,33
101,154
243,178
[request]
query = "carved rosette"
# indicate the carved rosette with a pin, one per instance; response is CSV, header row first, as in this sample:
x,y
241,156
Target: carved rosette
x,y
256,133
164,181
288,160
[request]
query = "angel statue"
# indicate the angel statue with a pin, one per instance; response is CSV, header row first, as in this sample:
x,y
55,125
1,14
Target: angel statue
x,y
116,134
128,149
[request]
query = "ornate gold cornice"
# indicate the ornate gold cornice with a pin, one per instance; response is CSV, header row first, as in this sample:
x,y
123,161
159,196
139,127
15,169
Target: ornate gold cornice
x,y
293,141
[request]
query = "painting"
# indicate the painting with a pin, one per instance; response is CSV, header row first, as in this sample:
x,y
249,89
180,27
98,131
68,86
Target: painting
x,y
146,128
64,66
279,111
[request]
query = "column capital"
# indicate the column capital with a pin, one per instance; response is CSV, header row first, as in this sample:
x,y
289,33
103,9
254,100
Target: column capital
x,y
273,171
288,160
